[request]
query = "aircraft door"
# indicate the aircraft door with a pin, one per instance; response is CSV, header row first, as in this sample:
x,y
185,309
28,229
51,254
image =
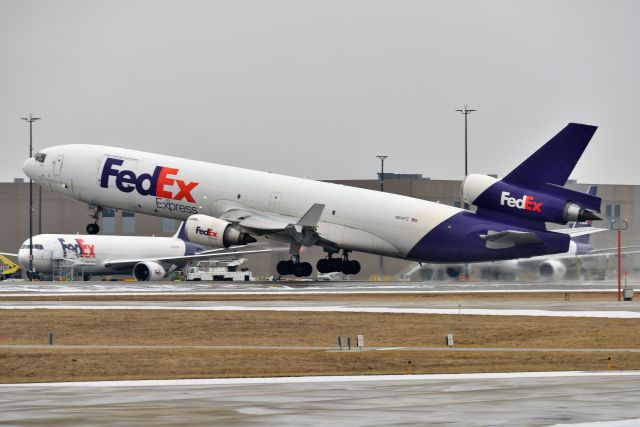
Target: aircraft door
x,y
57,165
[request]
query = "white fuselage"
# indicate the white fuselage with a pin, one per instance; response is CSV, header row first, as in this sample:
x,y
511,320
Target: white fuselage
x,y
91,252
353,218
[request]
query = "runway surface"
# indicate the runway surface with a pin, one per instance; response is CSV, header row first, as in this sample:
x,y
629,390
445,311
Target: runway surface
x,y
9,288
537,399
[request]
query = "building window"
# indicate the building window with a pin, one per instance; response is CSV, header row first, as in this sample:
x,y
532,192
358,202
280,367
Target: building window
x,y
456,204
168,225
108,221
128,222
616,211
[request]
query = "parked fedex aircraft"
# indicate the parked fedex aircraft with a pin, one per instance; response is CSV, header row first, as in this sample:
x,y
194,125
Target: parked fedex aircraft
x,y
146,258
225,205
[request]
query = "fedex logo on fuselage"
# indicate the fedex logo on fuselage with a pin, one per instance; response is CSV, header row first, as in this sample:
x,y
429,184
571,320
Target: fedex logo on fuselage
x,y
160,183
80,247
206,232
526,202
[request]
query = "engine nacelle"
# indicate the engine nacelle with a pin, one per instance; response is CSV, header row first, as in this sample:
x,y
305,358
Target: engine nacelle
x,y
215,232
553,269
148,270
548,203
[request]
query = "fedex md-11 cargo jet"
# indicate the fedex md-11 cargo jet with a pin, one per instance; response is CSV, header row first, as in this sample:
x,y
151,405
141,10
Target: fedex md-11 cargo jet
x,y
225,206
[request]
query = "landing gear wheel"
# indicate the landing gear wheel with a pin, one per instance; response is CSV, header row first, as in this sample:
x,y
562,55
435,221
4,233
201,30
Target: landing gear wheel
x,y
336,264
302,269
284,267
348,267
93,228
324,266
355,265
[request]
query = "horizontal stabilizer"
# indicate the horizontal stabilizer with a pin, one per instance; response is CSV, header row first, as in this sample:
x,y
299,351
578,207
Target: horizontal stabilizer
x,y
8,254
509,238
575,232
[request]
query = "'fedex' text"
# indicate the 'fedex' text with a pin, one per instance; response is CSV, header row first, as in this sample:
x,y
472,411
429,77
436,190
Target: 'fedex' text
x,y
526,202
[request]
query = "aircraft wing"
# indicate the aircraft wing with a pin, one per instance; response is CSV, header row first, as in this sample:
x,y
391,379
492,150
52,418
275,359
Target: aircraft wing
x,y
126,263
267,222
8,254
509,238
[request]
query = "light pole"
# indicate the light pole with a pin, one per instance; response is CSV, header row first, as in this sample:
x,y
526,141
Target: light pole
x,y
619,228
382,171
30,119
466,111
382,158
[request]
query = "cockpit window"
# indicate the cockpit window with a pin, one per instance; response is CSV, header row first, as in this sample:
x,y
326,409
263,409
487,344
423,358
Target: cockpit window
x,y
26,246
40,157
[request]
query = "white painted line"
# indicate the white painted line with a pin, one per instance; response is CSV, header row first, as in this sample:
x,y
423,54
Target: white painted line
x,y
341,309
401,291
332,379
620,423
389,348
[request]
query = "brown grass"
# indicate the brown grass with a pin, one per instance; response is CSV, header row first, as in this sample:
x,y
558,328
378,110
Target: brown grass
x,y
164,327
415,297
47,365
168,327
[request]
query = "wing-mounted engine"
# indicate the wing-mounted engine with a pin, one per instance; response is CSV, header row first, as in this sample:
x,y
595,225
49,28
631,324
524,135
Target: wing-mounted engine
x,y
544,203
215,232
148,270
553,269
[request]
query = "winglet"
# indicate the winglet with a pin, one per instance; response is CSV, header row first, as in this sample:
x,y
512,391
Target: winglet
x,y
311,218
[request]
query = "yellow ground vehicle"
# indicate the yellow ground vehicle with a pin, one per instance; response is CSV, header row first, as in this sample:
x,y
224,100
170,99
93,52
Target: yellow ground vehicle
x,y
8,268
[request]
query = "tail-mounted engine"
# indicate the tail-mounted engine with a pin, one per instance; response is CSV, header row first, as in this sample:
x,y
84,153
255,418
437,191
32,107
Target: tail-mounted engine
x,y
545,203
215,232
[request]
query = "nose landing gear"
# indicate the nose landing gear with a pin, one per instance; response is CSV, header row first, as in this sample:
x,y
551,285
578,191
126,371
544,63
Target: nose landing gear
x,y
94,228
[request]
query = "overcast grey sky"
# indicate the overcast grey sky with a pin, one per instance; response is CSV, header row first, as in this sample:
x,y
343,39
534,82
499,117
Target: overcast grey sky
x,y
318,88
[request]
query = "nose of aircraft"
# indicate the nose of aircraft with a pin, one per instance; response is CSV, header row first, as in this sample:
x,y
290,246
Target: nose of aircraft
x,y
28,166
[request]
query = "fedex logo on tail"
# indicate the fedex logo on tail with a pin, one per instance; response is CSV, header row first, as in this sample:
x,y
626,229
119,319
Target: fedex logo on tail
x,y
526,202
80,247
206,232
161,183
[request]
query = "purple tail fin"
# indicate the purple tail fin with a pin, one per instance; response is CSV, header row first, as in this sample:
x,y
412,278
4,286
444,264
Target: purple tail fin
x,y
554,161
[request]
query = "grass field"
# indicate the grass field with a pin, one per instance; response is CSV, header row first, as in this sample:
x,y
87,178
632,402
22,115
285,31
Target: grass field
x,y
190,328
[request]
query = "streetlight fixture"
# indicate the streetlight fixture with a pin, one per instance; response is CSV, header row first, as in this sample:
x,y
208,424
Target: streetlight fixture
x,y
30,119
382,171
619,228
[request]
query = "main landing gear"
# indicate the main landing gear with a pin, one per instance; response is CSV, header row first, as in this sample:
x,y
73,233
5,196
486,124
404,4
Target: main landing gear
x,y
342,265
94,228
295,267
326,265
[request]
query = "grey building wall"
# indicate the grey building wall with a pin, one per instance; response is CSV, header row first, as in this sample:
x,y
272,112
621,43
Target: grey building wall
x,y
61,215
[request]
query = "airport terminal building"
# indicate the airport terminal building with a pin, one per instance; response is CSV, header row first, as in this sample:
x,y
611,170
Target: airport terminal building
x,y
53,213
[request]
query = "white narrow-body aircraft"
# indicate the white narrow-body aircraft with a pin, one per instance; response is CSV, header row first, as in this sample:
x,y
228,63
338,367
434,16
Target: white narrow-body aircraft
x,y
225,205
146,258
